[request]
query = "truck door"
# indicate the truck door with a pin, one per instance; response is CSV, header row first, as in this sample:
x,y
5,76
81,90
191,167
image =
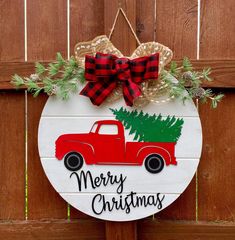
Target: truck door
x,y
109,146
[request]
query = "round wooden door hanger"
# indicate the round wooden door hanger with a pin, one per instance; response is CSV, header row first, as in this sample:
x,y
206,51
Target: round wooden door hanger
x,y
119,163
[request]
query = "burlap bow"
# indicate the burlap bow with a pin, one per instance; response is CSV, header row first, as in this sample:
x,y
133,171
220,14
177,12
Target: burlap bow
x,y
151,89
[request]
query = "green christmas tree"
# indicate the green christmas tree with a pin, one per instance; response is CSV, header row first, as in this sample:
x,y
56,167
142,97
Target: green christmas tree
x,y
150,128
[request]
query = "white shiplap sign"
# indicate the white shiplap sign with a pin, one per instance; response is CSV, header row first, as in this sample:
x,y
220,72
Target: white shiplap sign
x,y
102,171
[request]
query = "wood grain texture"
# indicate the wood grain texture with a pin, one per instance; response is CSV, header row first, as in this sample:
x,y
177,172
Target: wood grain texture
x,y
176,26
216,189
51,230
217,36
223,72
216,170
179,209
43,201
12,156
12,133
11,30
86,21
93,230
122,37
47,34
164,230
47,29
145,20
121,231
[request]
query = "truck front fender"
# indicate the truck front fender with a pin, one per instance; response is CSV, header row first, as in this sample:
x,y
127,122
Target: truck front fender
x,y
84,148
147,150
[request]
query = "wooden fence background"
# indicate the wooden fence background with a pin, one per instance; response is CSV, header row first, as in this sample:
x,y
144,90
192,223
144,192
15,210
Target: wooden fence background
x,y
34,30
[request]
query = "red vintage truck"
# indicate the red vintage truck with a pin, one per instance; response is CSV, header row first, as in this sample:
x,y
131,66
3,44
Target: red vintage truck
x,y
102,146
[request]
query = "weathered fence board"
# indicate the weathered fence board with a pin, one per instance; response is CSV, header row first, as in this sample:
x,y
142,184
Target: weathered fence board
x,y
146,20
223,72
217,39
155,230
46,35
216,187
47,28
177,29
51,230
216,184
86,21
43,200
11,30
121,230
12,156
12,127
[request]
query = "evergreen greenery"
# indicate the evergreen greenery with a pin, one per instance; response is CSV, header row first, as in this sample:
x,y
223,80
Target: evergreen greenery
x,y
150,128
59,78
190,80
63,77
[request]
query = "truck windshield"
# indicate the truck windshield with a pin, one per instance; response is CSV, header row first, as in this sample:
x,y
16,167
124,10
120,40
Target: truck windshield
x,y
94,127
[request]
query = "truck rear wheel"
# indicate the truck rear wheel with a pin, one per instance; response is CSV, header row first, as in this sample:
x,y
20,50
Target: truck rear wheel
x,y
154,163
73,161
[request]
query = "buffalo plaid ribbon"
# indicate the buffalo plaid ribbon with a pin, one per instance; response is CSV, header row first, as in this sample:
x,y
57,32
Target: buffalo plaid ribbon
x,y
105,70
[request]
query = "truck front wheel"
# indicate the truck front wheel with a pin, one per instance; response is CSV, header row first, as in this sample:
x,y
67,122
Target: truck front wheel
x,y
154,163
73,161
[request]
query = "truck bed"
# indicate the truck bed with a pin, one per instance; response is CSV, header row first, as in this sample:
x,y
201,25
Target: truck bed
x,y
134,148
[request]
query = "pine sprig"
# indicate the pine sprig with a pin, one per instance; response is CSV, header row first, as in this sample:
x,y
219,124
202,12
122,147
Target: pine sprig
x,y
187,66
60,78
189,80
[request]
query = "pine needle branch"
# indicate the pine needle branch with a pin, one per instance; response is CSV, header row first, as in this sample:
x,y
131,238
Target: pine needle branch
x,y
189,80
61,78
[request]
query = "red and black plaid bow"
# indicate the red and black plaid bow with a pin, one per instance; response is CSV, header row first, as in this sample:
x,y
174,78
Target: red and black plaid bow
x,y
104,71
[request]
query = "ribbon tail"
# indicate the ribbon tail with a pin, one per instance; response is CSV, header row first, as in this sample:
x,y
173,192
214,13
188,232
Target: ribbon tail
x,y
131,91
98,91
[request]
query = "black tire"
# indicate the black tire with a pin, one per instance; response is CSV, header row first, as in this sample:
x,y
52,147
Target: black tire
x,y
154,163
73,161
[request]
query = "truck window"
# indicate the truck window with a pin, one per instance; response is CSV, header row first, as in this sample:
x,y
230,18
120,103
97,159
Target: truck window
x,y
94,127
108,129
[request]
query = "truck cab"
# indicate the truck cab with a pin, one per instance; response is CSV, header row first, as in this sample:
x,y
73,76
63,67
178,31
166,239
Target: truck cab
x,y
109,141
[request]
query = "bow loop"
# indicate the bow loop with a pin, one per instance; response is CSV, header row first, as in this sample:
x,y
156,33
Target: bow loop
x,y
104,71
104,65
